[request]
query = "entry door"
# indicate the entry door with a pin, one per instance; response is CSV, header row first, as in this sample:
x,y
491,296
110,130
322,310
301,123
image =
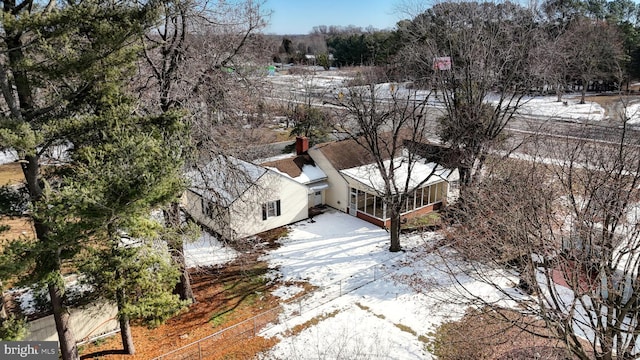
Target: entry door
x,y
353,202
317,199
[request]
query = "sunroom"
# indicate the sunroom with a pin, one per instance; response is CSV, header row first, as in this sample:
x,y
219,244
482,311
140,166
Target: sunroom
x,y
429,189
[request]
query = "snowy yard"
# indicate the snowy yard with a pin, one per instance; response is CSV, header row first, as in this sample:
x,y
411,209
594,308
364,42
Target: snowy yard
x,y
207,251
385,318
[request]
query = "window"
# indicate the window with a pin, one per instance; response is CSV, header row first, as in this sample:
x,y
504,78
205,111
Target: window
x,y
405,205
270,209
367,203
378,210
438,187
425,196
433,194
361,201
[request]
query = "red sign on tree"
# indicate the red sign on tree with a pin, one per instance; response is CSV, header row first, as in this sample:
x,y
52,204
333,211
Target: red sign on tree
x,y
442,63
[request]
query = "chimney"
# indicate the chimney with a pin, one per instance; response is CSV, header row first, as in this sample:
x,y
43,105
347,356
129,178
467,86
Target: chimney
x,y
302,145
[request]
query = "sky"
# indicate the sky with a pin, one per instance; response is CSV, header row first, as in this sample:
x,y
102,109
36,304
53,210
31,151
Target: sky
x,y
300,16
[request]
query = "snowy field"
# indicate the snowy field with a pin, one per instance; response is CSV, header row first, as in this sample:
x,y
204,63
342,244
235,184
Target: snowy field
x,y
633,113
569,109
8,156
546,107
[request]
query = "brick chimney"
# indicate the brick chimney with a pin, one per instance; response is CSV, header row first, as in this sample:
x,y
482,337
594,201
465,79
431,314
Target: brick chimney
x,y
302,145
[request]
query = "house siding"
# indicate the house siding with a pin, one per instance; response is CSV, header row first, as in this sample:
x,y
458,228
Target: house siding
x,y
246,212
337,195
369,218
244,216
192,205
419,212
386,224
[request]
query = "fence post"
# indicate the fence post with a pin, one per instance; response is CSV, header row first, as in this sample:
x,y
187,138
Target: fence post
x,y
199,350
255,327
340,287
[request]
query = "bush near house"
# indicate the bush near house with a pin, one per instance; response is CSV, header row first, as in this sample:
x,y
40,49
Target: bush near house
x,y
429,222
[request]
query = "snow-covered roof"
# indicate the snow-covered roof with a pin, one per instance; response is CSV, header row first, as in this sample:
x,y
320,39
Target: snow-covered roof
x,y
369,175
300,168
224,179
309,174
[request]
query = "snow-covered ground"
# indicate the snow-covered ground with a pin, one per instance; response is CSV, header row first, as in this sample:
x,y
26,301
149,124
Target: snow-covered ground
x,y
364,302
207,251
8,156
633,113
334,82
570,108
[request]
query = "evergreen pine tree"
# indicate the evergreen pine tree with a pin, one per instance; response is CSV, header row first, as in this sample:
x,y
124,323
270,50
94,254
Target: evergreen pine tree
x,y
61,74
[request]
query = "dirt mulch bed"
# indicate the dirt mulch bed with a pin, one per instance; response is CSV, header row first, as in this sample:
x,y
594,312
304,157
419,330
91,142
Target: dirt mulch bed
x,y
11,173
497,334
19,226
225,297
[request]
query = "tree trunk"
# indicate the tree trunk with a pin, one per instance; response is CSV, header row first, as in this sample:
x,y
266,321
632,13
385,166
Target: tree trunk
x,y
395,231
66,337
558,92
125,327
68,348
183,287
3,310
16,58
476,170
465,175
176,248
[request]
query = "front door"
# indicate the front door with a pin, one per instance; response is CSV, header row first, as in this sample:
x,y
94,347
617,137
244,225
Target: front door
x,y
353,202
317,198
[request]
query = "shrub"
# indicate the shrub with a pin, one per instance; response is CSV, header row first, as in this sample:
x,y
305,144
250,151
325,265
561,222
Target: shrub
x,y
13,328
453,340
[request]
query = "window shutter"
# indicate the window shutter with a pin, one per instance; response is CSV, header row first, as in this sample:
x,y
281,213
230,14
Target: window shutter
x,y
264,211
278,208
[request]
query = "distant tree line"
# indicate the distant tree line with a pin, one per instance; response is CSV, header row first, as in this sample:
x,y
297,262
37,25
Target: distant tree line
x,y
583,45
350,45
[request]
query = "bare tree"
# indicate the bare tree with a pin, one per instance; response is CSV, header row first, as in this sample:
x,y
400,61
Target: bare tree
x,y
206,60
382,119
550,66
479,58
567,229
201,59
594,52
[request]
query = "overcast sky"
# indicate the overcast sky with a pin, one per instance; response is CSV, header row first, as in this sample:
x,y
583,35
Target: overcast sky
x,y
300,16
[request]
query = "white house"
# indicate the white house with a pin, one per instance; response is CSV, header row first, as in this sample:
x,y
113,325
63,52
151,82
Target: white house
x,y
302,169
237,199
354,183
